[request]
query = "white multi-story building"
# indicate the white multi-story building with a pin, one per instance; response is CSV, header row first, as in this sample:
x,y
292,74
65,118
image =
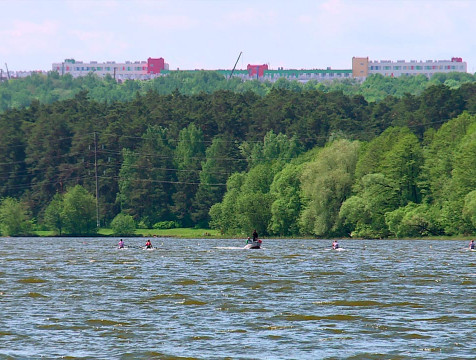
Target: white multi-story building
x,y
362,67
119,71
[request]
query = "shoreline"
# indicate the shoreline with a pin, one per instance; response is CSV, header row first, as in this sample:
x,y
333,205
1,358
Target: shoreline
x,y
190,233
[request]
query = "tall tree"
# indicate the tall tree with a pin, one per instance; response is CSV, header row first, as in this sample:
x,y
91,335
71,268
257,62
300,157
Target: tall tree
x,y
188,156
54,214
363,214
79,212
287,204
146,182
326,184
222,158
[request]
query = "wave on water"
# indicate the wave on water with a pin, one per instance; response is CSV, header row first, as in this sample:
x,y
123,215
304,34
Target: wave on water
x,y
36,295
229,248
32,281
334,317
210,300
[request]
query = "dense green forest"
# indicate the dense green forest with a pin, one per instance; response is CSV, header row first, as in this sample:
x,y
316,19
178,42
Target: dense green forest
x,y
283,158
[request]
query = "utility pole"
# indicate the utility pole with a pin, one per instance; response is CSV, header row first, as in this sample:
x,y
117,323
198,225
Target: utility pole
x,y
96,176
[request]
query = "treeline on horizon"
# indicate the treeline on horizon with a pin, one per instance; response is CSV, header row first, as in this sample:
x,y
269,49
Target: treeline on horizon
x,y
289,162
52,87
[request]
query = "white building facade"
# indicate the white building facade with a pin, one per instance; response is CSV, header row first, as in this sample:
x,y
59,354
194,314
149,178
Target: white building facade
x,y
132,70
362,67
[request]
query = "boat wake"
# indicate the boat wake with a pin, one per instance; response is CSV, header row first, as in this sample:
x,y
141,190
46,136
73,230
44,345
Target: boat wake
x,y
229,247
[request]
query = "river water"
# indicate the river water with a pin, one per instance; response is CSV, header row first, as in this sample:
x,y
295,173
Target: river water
x,y
81,298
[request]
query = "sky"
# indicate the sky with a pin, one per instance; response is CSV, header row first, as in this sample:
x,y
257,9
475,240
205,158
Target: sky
x,y
210,34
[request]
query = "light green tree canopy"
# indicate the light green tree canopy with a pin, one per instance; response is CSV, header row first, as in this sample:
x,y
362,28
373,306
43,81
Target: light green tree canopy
x,y
326,183
79,211
14,219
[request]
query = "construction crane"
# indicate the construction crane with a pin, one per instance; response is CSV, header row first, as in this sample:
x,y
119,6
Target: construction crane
x,y
8,73
231,74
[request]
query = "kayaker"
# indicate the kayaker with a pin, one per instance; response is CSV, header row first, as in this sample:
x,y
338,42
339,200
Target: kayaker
x,y
121,244
471,245
148,244
335,245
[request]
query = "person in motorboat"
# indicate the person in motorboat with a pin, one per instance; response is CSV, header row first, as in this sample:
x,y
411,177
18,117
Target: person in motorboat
x,y
255,235
148,244
253,244
121,244
335,245
471,245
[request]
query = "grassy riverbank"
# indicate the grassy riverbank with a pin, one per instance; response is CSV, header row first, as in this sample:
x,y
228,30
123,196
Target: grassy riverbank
x,y
192,233
178,233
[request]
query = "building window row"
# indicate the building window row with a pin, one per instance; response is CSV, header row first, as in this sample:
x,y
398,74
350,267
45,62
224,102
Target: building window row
x,y
417,67
100,68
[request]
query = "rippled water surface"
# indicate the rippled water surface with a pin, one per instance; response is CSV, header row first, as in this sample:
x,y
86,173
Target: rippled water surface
x,y
210,299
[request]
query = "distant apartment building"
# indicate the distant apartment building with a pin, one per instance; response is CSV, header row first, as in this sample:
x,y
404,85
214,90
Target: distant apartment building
x,y
119,71
256,71
363,67
263,73
4,75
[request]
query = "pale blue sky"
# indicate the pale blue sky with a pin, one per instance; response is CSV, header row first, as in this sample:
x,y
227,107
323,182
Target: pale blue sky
x,y
209,34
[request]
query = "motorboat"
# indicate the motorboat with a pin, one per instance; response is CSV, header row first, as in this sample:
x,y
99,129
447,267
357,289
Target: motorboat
x,y
253,244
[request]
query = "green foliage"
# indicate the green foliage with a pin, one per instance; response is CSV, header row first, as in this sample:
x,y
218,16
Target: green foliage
x,y
14,220
53,87
402,164
274,148
79,211
414,220
188,156
287,204
469,209
312,159
166,225
224,216
440,153
365,213
145,181
123,224
460,182
54,214
326,183
221,160
464,169
370,161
